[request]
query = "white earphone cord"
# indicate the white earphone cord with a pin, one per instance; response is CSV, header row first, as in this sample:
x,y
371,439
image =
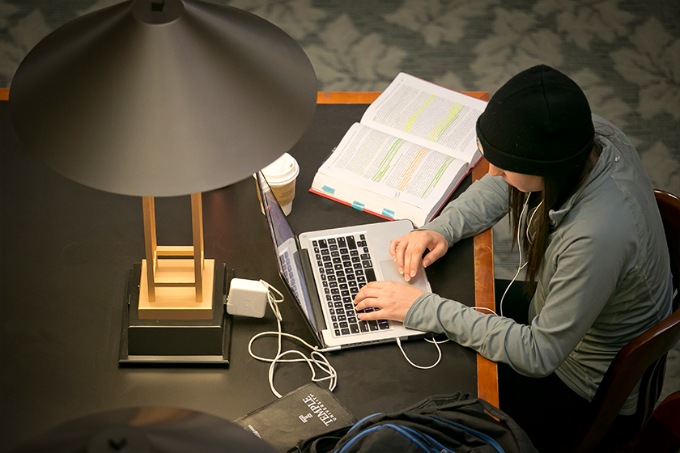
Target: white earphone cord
x,y
519,245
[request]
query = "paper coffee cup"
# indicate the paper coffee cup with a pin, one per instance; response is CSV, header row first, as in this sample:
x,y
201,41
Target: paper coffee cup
x,y
281,176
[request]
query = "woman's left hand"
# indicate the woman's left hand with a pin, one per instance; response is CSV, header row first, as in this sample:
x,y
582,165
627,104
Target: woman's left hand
x,y
389,300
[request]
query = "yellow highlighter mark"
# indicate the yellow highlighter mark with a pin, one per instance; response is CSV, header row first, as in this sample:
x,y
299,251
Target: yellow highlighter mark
x,y
411,121
445,122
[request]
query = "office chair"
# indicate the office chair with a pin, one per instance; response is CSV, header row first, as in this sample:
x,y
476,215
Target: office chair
x,y
661,431
669,207
643,359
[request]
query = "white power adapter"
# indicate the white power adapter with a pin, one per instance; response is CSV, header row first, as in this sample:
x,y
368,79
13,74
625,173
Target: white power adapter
x,y
247,298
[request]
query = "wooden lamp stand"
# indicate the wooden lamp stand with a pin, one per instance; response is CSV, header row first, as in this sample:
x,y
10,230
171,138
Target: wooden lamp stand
x,y
176,281
175,310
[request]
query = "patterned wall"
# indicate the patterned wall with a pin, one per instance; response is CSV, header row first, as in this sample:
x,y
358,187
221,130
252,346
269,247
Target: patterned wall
x,y
624,53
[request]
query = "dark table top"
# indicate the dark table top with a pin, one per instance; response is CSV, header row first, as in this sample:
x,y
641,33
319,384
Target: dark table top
x,y
65,253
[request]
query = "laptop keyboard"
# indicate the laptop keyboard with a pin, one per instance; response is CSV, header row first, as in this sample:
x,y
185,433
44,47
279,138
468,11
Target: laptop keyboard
x,y
345,265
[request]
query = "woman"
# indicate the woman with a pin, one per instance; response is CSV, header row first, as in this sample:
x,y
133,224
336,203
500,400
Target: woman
x,y
584,216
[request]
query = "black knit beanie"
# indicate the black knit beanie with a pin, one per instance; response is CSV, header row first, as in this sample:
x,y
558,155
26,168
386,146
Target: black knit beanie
x,y
538,123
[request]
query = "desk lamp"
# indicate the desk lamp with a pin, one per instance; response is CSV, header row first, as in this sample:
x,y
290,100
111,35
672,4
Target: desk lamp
x,y
160,98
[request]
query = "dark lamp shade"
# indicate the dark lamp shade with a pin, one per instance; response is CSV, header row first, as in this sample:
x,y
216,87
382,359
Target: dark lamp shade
x,y
163,98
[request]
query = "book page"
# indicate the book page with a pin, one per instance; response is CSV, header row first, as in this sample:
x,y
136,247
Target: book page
x,y
429,115
391,167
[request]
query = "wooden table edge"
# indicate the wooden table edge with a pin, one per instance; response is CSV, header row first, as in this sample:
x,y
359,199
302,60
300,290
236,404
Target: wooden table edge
x,y
487,371
366,97
485,299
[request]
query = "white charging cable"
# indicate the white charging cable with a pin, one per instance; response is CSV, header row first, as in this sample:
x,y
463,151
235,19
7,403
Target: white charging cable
x,y
314,361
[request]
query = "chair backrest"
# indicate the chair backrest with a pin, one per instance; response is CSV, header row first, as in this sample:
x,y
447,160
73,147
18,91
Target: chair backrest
x,y
661,432
669,207
644,358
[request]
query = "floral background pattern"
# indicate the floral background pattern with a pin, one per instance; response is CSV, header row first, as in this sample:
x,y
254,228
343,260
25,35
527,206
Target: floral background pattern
x,y
625,54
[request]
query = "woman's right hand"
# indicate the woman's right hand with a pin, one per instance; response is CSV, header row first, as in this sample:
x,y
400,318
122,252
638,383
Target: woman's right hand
x,y
408,250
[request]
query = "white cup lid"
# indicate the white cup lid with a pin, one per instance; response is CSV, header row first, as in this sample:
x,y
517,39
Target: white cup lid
x,y
282,170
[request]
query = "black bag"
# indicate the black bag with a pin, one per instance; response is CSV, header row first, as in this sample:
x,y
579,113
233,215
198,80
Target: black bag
x,y
442,423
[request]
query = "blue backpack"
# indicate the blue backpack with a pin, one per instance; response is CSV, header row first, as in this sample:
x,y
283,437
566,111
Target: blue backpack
x,y
442,423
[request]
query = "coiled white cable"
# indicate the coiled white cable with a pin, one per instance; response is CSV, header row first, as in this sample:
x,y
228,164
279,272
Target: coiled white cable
x,y
316,358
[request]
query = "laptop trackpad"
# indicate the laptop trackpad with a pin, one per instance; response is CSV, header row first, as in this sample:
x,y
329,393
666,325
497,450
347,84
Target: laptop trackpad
x,y
390,272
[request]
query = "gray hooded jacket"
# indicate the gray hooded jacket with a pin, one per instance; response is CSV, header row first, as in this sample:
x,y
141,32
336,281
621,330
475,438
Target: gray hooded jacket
x,y
604,280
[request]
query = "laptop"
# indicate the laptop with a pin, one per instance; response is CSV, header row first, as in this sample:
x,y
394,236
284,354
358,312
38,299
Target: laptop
x,y
325,269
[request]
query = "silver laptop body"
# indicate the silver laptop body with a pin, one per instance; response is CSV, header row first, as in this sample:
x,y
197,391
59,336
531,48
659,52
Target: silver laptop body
x,y
320,267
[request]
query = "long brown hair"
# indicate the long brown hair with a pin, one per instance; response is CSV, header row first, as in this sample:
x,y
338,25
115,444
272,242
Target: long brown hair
x,y
556,190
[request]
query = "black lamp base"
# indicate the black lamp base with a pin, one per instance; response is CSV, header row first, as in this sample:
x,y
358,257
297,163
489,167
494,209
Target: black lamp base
x,y
191,343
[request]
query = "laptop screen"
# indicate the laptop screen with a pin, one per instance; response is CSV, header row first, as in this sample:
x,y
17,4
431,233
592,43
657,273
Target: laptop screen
x,y
286,248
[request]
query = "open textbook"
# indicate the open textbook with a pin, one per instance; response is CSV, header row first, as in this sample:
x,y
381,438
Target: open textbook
x,y
413,146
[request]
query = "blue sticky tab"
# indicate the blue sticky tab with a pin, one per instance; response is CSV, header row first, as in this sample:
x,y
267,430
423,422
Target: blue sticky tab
x,y
358,205
388,213
328,189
